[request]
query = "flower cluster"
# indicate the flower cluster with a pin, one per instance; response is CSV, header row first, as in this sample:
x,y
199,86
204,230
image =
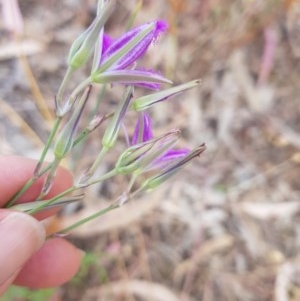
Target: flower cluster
x,y
114,61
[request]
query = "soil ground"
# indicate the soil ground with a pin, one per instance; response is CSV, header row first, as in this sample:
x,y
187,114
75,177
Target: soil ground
x,y
226,228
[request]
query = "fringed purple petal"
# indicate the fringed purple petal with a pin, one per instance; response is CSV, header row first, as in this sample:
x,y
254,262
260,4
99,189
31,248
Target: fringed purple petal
x,y
161,26
143,129
139,50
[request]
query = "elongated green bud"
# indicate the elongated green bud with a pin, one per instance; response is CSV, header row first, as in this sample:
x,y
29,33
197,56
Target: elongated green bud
x,y
112,130
66,138
138,157
145,102
83,47
171,170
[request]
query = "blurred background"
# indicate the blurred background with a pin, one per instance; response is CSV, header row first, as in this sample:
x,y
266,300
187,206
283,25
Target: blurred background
x,y
227,227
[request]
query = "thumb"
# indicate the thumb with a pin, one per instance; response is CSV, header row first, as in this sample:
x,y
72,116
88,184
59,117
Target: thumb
x,y
20,237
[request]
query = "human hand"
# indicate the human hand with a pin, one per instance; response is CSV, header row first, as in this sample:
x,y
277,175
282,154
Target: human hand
x,y
26,259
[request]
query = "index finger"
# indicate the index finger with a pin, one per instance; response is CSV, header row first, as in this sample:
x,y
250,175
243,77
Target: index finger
x,y
16,171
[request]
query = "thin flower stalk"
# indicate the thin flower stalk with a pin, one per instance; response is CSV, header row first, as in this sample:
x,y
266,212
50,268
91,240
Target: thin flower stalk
x,y
91,127
26,186
57,198
87,219
111,133
54,130
27,207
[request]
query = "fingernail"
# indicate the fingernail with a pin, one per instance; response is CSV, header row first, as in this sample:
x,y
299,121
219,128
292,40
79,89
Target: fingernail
x,y
24,226
21,236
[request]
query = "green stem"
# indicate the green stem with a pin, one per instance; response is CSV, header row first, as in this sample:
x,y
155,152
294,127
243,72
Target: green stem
x,y
98,160
102,178
95,215
132,180
136,192
51,201
26,186
81,137
87,131
133,15
78,89
49,180
63,85
25,207
99,100
87,219
47,146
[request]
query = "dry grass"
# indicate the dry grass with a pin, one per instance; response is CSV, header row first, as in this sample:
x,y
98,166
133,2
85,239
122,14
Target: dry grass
x,y
227,227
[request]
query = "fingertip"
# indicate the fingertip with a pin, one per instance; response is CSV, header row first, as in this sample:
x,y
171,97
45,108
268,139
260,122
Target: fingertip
x,y
54,264
21,236
15,171
62,181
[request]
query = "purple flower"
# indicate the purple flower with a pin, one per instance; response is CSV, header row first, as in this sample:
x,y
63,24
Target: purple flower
x,y
119,54
142,131
136,52
143,134
106,42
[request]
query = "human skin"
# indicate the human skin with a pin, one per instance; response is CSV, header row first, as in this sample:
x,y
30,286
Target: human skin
x,y
26,257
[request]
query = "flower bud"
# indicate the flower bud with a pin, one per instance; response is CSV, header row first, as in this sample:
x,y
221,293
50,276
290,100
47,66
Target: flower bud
x,y
95,122
139,158
171,170
112,130
66,137
83,47
144,102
